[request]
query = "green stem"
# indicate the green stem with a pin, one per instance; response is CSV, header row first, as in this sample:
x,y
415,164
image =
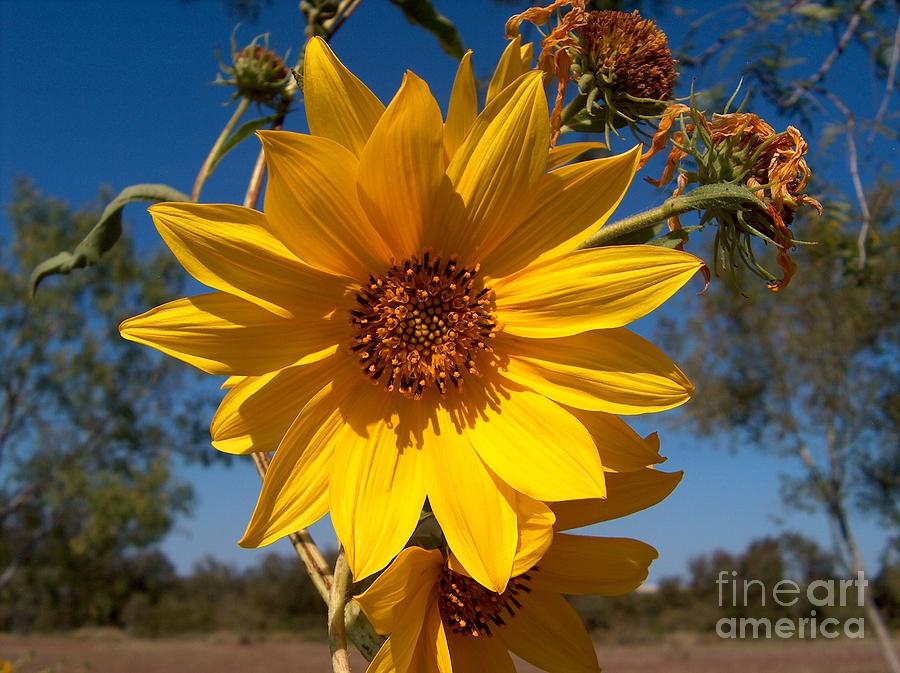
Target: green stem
x,y
644,220
724,196
214,152
575,106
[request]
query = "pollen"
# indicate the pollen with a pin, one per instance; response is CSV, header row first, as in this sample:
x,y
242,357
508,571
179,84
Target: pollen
x,y
423,324
467,608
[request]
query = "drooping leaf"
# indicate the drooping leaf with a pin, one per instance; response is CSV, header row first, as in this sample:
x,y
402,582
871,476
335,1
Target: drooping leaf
x,y
104,235
422,13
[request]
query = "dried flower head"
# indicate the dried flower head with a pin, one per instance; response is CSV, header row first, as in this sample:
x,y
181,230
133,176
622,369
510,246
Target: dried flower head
x,y
257,73
740,148
621,62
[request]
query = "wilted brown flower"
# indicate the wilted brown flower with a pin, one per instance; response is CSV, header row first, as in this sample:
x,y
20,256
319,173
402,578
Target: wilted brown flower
x,y
621,61
741,148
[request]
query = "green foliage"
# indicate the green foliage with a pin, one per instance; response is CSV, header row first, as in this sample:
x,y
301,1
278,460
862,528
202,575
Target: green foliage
x,y
422,13
810,373
104,235
89,423
275,595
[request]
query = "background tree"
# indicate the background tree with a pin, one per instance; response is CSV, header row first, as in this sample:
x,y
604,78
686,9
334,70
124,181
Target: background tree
x,y
811,374
89,427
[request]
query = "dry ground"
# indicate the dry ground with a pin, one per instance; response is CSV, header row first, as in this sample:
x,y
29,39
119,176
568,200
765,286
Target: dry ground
x,y
112,652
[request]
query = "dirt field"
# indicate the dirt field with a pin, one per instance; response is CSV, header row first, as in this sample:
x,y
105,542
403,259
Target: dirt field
x,y
116,653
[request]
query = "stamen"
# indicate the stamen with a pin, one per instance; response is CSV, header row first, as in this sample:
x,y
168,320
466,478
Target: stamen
x,y
420,326
469,609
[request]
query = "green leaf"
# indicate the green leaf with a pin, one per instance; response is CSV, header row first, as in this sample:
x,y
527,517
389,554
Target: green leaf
x,y
422,13
236,138
104,235
672,239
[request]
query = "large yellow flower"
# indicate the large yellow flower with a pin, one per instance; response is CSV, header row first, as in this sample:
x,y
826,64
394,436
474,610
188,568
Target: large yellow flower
x,y
409,321
441,621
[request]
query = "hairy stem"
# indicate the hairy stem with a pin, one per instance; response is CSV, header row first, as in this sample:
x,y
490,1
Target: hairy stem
x,y
724,196
337,628
214,151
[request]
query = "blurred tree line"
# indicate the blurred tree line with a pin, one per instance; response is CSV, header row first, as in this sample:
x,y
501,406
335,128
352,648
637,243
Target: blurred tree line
x,y
691,604
90,427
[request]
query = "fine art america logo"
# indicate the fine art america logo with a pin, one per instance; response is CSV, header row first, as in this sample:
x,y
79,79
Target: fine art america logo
x,y
734,593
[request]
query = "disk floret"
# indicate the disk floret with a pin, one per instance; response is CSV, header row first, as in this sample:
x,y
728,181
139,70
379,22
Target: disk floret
x,y
423,324
467,608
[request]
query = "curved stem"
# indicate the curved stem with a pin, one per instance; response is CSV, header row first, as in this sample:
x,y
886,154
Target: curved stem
x,y
214,151
724,196
337,628
628,225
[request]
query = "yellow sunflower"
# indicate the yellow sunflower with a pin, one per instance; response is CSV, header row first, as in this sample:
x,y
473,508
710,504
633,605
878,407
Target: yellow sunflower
x,y
441,621
407,322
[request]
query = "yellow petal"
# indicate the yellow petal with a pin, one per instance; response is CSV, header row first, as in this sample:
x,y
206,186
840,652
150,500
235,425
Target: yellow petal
x,y
608,566
535,532
294,494
377,489
627,493
338,106
221,334
231,382
621,449
408,587
563,154
436,650
567,205
599,288
463,108
476,510
514,62
479,655
312,206
402,167
611,370
230,248
547,632
497,165
257,412
533,444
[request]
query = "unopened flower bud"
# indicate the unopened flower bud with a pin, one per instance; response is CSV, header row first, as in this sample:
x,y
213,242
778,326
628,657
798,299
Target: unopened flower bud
x,y
257,74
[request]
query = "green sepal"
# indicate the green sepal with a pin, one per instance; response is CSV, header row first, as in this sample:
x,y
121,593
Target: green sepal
x,y
104,235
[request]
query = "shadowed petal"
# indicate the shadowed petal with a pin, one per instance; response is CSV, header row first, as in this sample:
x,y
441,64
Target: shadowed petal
x,y
627,493
548,633
608,566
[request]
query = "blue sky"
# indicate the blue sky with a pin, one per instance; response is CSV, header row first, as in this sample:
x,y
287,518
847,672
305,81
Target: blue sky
x,y
118,93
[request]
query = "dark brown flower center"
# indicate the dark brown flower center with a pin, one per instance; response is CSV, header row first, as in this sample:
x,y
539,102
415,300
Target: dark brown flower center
x,y
467,608
422,324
